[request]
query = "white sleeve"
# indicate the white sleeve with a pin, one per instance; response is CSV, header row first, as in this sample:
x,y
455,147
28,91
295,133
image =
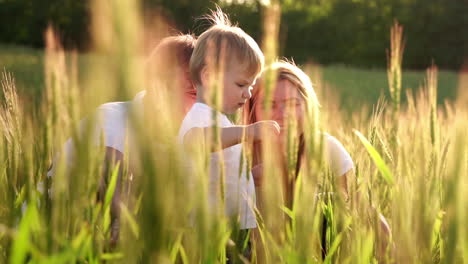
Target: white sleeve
x,y
68,155
66,152
339,160
182,132
112,124
193,119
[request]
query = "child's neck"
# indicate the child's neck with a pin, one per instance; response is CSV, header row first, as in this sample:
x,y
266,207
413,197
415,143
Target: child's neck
x,y
201,99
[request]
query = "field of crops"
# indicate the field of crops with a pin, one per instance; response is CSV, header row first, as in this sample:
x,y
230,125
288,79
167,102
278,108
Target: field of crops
x,y
410,156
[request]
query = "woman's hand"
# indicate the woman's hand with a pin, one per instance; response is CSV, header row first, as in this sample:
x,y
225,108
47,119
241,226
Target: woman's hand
x,y
384,226
385,246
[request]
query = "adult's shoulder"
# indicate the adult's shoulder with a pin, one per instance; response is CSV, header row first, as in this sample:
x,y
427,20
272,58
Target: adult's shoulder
x,y
338,157
113,112
113,108
333,142
112,119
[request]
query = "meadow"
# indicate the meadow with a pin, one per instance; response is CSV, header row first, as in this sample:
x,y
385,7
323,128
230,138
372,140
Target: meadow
x,y
406,132
352,87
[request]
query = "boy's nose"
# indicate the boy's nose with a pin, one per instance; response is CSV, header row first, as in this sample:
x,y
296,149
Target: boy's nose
x,y
247,94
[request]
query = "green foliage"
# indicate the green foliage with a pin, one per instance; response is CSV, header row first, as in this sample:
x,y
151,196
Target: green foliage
x,y
24,22
380,164
351,32
356,32
353,87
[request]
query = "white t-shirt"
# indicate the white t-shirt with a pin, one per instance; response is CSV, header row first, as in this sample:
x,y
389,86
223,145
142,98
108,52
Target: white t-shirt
x,y
239,191
113,119
338,158
112,123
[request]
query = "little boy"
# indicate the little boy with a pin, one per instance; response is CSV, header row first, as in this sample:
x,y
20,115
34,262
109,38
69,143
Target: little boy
x,y
225,53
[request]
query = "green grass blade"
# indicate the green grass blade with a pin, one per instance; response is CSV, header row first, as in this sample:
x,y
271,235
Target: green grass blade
x,y
21,245
378,161
111,187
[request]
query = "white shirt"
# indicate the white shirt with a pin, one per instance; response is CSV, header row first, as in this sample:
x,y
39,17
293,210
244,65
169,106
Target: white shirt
x,y
112,123
338,158
239,191
113,119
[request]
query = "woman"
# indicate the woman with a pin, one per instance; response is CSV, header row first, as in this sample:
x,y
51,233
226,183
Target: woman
x,y
294,106
293,102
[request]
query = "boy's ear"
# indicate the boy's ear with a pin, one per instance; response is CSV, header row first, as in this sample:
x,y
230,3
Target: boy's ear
x,y
204,76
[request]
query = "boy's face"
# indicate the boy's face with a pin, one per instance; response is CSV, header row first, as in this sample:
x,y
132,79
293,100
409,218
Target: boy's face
x,y
238,84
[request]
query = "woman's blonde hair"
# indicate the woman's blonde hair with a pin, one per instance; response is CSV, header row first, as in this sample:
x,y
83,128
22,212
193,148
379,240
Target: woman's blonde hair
x,y
287,70
223,43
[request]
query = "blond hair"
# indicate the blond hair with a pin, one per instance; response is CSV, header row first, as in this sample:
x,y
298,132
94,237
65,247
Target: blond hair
x,y
287,70
222,43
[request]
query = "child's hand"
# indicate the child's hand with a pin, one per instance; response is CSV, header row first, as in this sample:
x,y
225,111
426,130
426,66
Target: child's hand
x,y
261,129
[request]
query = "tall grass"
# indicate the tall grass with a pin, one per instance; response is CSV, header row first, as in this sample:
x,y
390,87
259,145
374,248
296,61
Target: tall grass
x,y
418,183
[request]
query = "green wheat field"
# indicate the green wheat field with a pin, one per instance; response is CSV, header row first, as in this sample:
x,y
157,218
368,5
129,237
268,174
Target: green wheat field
x,y
405,130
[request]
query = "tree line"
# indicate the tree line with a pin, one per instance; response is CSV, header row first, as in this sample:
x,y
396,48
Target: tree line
x,y
351,32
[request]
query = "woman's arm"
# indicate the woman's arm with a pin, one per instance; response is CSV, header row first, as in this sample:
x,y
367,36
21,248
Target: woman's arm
x,y
343,185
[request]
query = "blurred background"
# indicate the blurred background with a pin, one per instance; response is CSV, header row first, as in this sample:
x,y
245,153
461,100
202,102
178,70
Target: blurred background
x,y
350,32
348,38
